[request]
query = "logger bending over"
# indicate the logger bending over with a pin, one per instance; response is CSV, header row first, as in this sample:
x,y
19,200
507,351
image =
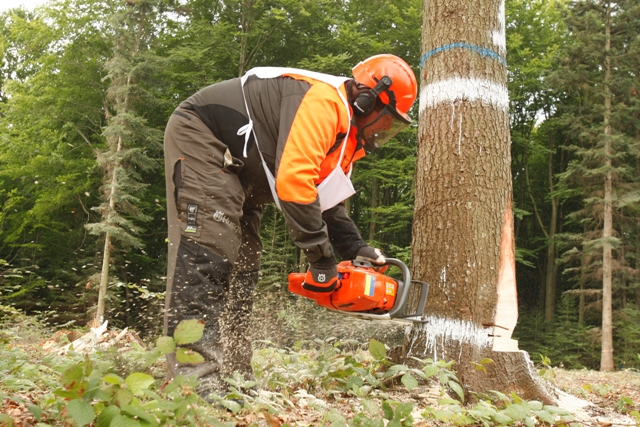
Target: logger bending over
x,y
278,135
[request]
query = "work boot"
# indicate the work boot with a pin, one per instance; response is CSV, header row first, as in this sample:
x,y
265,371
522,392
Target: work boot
x,y
207,373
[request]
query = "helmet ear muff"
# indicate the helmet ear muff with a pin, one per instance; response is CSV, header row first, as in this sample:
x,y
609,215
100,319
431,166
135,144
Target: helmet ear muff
x,y
365,102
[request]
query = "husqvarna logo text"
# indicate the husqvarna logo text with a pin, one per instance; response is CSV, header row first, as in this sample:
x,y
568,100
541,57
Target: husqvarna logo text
x,y
219,216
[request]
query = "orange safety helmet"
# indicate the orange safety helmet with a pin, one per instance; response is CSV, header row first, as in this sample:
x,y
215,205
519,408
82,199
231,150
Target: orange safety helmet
x,y
391,81
403,87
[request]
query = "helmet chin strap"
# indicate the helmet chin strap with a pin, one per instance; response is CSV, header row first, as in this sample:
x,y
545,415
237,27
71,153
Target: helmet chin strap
x,y
362,142
359,137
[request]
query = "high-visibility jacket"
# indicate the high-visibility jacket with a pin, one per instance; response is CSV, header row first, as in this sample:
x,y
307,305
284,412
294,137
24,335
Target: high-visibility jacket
x,y
299,123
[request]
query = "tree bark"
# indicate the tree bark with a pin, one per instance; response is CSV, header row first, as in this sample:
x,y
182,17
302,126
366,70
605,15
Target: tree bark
x,y
606,360
463,236
550,274
374,205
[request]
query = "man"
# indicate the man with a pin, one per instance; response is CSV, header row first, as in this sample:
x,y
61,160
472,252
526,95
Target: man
x,y
275,135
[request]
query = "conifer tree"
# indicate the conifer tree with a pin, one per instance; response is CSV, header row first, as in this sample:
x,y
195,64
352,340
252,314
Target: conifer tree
x,y
598,76
130,142
50,119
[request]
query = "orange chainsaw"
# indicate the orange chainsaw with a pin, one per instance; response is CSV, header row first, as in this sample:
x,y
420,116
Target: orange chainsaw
x,y
364,291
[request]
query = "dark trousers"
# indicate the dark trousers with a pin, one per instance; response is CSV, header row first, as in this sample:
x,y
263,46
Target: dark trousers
x,y
214,250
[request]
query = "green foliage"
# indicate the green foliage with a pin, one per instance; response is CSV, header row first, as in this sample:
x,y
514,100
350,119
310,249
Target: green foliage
x,y
328,370
384,203
49,177
565,341
86,389
188,331
627,334
597,116
498,409
95,393
624,405
68,68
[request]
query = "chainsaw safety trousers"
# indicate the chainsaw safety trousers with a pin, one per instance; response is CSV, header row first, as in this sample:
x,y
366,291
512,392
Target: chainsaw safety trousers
x,y
214,251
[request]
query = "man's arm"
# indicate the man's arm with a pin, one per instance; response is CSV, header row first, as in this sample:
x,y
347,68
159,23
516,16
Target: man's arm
x,y
343,234
307,229
305,143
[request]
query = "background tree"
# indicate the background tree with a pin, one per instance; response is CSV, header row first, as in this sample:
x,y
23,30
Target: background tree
x,y
50,122
535,31
599,117
130,142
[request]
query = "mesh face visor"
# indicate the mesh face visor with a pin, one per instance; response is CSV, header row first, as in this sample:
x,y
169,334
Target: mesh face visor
x,y
387,125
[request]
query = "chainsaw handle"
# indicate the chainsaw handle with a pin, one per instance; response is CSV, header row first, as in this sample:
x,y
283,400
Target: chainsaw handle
x,y
403,287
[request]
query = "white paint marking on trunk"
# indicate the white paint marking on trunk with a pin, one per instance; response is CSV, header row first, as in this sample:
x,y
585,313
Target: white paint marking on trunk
x,y
453,114
499,35
460,137
470,89
439,331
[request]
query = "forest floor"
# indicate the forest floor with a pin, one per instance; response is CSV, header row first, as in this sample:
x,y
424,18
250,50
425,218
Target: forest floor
x,y
611,393
298,387
596,399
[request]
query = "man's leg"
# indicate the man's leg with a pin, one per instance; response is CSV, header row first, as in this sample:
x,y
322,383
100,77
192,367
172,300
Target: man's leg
x,y
204,204
236,318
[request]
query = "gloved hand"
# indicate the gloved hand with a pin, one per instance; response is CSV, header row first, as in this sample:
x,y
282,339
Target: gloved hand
x,y
322,275
372,255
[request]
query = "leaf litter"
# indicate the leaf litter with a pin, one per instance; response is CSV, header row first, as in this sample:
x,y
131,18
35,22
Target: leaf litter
x,y
611,394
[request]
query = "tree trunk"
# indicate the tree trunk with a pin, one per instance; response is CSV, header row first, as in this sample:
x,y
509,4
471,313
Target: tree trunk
x,y
246,20
374,204
106,255
637,264
606,361
463,242
550,278
104,281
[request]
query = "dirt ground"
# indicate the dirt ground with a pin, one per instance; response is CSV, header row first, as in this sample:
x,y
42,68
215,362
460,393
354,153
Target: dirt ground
x,y
613,393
